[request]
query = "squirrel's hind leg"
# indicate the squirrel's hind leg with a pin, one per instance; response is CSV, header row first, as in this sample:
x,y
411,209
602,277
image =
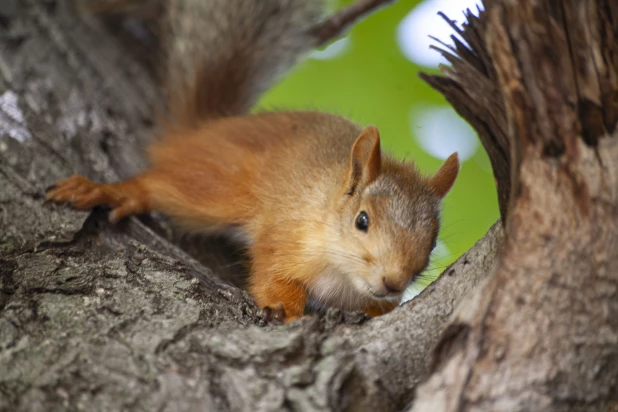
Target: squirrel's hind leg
x,y
126,198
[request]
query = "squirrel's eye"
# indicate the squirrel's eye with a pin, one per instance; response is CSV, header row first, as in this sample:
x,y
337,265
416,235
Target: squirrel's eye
x,y
362,221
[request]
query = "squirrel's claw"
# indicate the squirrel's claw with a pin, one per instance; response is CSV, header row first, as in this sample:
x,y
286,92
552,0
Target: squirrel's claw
x,y
80,192
275,314
84,194
68,190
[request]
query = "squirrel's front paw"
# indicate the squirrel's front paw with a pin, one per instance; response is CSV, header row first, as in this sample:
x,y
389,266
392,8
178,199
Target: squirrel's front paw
x,y
84,194
77,191
277,314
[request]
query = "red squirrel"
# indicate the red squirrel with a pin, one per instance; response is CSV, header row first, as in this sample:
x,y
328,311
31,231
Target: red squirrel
x,y
326,215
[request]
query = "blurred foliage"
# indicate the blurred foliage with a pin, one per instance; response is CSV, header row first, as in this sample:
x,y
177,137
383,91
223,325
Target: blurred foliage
x,y
370,81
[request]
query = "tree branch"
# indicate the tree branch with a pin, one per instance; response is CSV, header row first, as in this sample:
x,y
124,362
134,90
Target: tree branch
x,y
338,23
88,310
481,102
532,335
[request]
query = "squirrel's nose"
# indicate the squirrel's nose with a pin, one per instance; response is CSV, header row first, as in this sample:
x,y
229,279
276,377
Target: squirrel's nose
x,y
392,287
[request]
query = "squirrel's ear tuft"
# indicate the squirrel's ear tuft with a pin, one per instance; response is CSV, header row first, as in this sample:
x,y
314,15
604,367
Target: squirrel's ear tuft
x,y
443,180
365,159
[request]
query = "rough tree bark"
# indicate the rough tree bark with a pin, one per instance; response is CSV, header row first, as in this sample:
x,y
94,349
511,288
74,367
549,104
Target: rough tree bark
x,y
94,317
539,81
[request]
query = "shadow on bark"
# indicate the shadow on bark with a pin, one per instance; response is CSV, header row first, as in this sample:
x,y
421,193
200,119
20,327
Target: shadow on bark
x,y
100,317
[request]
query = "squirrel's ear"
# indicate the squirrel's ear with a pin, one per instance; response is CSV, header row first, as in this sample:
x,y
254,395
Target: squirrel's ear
x,y
443,180
365,159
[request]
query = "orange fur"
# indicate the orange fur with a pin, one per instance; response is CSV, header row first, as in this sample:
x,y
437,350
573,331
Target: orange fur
x,y
380,308
293,183
443,180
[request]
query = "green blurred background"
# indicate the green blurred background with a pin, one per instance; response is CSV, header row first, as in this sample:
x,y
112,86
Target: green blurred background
x,y
371,76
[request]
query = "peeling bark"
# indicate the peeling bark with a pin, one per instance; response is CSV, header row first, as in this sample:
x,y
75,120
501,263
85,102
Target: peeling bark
x,y
542,333
101,317
94,317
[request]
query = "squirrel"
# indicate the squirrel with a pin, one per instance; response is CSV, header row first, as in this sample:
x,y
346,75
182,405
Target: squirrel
x,y
327,217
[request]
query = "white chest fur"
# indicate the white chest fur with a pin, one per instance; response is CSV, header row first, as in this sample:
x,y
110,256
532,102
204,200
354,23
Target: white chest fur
x,y
336,289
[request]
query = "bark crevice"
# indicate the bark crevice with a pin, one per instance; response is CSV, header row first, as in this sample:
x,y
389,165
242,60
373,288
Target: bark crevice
x,y
542,322
109,317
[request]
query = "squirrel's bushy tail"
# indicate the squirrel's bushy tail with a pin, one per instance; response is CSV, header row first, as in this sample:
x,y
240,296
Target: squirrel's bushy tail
x,y
222,54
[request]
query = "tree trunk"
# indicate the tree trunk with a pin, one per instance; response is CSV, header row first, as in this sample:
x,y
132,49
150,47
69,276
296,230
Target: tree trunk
x,y
542,333
94,317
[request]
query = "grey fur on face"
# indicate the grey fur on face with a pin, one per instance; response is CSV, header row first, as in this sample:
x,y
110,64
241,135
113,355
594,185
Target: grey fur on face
x,y
408,206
